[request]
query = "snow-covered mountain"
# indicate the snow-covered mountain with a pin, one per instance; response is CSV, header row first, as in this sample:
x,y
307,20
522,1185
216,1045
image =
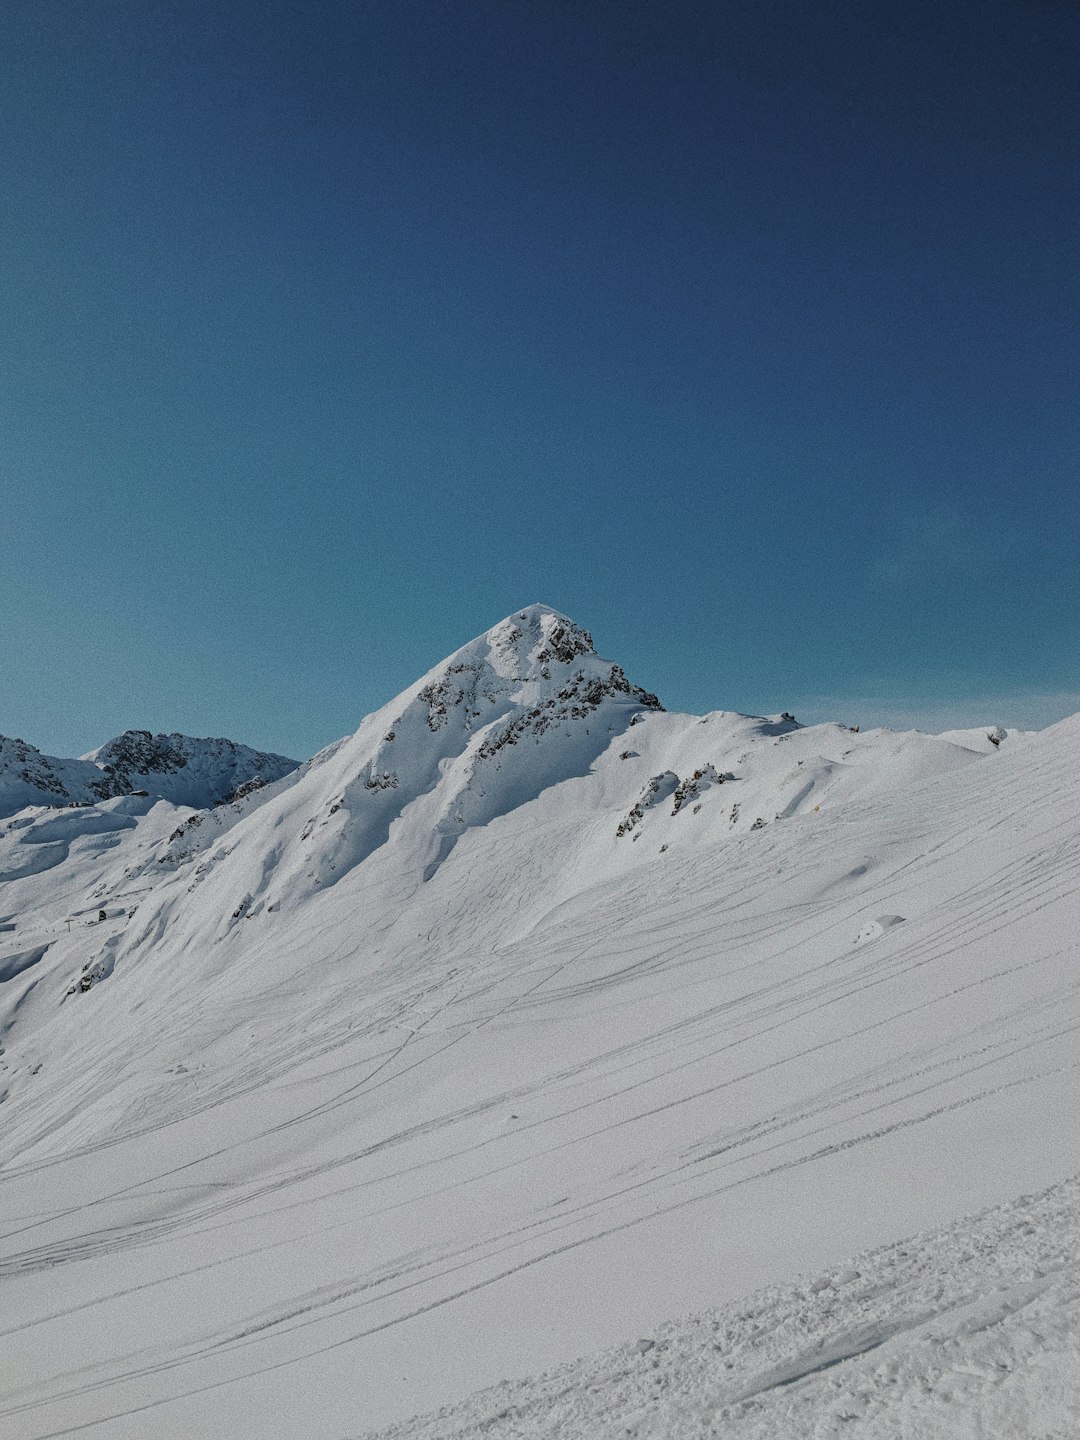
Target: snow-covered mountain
x,y
179,768
524,1018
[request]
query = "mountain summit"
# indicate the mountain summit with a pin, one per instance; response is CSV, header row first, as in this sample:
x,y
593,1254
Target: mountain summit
x,y
523,707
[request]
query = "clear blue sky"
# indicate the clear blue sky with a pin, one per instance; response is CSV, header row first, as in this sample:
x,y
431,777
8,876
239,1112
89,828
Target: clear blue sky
x,y
745,333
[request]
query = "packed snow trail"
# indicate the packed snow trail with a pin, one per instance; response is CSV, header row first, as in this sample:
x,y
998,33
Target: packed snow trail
x,y
402,1078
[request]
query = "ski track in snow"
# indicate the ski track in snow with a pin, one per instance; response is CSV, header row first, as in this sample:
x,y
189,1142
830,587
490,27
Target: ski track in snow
x,y
970,1331
310,1171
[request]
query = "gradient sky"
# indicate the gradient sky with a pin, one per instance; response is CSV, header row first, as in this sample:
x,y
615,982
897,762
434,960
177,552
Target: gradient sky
x,y
334,330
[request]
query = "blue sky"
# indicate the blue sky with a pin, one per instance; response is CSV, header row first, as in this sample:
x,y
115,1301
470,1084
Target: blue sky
x,y
745,333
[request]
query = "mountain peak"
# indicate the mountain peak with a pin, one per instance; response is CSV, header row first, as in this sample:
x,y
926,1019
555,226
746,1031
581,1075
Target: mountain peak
x,y
535,656
546,621
528,642
521,708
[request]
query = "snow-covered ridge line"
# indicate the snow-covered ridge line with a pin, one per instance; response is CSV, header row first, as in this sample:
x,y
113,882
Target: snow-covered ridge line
x,y
181,768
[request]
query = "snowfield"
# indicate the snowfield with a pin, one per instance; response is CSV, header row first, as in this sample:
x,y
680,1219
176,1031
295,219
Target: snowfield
x,y
519,1022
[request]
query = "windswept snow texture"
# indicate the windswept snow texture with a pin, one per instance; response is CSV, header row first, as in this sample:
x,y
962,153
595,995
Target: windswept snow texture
x,y
175,767
969,1332
422,1069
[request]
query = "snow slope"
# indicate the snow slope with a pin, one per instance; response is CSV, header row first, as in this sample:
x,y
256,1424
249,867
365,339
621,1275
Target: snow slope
x,y
967,1332
521,1020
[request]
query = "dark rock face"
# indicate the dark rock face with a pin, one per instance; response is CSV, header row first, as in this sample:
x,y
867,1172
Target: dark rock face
x,y
452,689
136,753
192,771
565,643
34,768
656,790
242,791
575,701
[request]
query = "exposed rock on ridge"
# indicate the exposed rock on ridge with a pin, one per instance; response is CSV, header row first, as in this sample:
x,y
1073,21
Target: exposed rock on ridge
x,y
180,768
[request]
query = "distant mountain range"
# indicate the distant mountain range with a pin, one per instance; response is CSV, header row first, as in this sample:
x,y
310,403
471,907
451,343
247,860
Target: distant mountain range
x,y
179,768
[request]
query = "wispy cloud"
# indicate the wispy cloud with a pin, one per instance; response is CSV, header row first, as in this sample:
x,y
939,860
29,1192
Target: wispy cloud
x,y
945,540
1016,710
